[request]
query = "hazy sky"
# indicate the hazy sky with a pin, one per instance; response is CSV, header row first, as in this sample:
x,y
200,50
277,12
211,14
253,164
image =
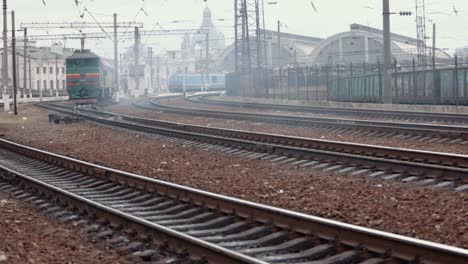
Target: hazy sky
x,y
298,16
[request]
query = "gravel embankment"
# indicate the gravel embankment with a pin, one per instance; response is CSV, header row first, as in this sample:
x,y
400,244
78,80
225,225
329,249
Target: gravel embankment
x,y
27,236
128,109
425,213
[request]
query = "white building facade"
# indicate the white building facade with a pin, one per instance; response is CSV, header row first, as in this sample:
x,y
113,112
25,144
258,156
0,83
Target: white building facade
x,y
45,71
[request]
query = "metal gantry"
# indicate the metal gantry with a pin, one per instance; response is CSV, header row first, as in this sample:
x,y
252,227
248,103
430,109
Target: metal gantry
x,y
78,25
421,31
249,35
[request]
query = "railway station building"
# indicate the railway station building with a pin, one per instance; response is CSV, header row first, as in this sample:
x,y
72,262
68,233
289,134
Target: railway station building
x,y
363,44
45,69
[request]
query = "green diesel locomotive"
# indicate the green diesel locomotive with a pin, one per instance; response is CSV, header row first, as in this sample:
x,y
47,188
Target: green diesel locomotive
x,y
89,78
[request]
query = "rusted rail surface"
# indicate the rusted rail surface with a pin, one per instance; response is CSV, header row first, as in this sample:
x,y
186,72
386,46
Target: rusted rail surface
x,y
219,228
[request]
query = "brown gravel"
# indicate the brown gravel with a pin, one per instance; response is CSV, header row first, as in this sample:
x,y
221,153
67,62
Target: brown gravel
x,y
127,108
425,213
27,236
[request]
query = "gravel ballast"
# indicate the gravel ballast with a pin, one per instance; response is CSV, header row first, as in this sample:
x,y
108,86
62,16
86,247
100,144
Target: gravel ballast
x,y
27,236
128,109
421,212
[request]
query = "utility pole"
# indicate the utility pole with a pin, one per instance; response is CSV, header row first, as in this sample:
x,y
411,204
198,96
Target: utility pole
x,y
30,79
279,44
150,62
387,82
434,89
201,70
135,71
121,62
13,52
207,60
116,63
17,73
433,46
5,92
25,54
236,36
56,77
82,40
158,65
40,85
185,81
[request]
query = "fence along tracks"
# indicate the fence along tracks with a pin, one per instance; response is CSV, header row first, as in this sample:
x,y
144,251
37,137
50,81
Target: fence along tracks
x,y
440,169
219,228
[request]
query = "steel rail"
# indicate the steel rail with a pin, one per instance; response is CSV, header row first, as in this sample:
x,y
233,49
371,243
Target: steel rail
x,y
404,128
444,166
378,243
416,115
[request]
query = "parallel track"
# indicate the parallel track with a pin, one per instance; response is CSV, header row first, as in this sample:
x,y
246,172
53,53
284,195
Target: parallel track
x,y
412,131
218,228
422,167
447,118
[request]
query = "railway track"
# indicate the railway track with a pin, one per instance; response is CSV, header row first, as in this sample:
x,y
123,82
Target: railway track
x,y
448,134
412,166
388,115
209,226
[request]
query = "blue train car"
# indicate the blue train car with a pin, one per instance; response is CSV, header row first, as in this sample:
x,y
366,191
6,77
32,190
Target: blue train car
x,y
194,82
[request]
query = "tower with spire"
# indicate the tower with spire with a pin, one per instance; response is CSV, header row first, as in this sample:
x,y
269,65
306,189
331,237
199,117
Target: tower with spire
x,y
216,38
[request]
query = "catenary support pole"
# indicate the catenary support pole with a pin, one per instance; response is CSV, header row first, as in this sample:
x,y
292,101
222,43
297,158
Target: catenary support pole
x,y
278,60
136,54
5,92
82,41
56,78
13,53
185,81
30,79
207,61
158,72
434,54
387,83
25,57
116,63
150,58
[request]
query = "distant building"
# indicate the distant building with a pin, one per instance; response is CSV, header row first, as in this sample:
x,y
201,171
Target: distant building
x,y
216,40
292,50
364,44
45,68
153,72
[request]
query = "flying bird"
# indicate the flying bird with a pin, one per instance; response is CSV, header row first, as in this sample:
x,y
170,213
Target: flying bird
x,y
43,1
455,10
313,6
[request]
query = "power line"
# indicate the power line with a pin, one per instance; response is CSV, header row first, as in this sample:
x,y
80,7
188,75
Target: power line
x,y
77,25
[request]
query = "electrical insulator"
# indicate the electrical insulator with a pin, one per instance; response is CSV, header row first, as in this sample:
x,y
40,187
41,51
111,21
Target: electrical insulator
x,y
405,13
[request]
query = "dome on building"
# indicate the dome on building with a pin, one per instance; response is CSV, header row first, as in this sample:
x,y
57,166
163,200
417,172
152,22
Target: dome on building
x,y
216,38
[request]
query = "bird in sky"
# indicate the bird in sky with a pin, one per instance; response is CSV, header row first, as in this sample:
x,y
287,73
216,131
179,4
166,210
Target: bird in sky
x,y
369,7
313,6
455,10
